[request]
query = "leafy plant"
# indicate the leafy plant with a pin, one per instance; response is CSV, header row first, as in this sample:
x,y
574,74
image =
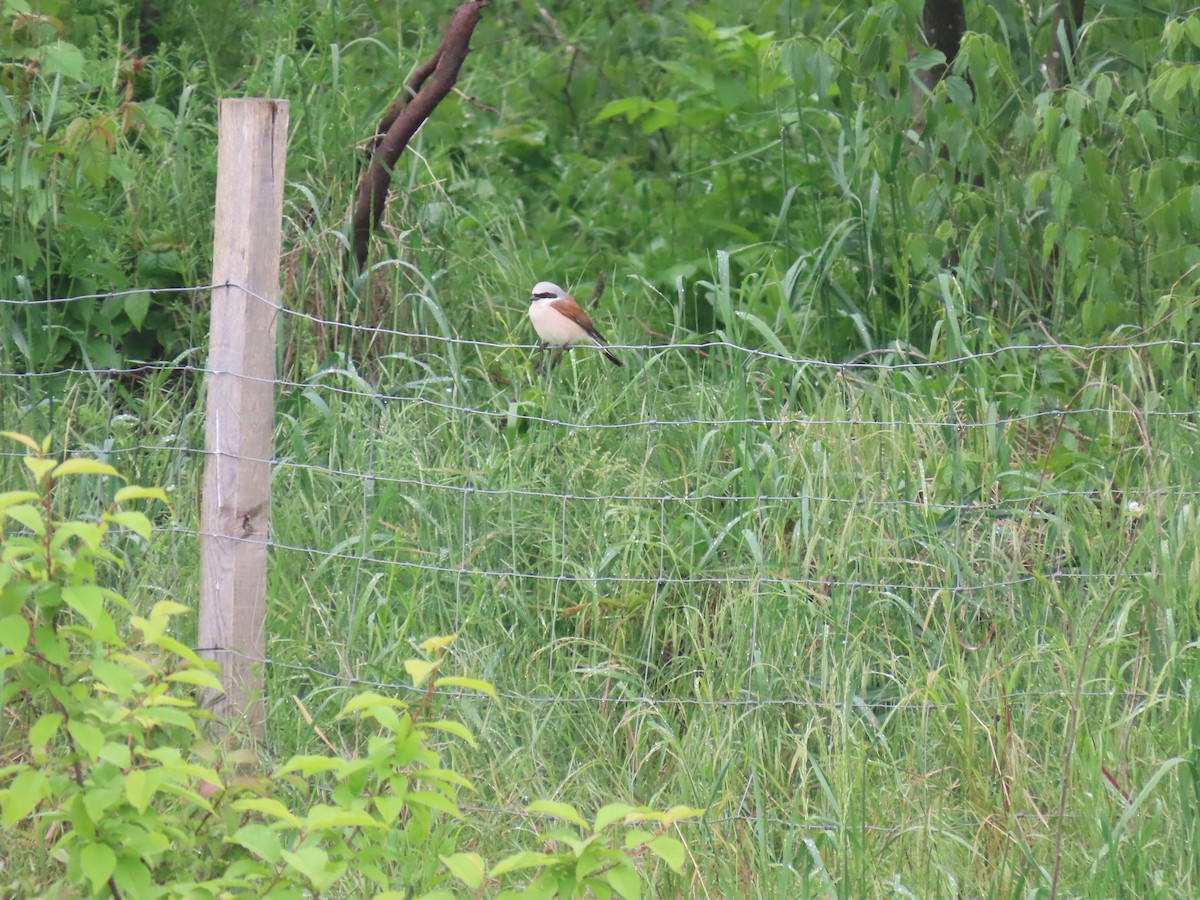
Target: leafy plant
x,y
83,139
108,756
595,859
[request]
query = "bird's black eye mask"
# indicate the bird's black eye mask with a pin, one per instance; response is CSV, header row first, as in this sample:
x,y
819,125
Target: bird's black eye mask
x,y
544,295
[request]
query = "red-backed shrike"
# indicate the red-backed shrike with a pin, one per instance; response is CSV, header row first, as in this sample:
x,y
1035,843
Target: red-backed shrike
x,y
559,321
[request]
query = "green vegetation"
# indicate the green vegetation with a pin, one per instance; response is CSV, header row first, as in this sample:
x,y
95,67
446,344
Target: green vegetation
x,y
870,551
111,761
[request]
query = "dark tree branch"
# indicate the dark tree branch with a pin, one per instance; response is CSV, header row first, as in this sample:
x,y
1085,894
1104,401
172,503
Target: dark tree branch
x,y
1067,19
425,89
944,23
411,88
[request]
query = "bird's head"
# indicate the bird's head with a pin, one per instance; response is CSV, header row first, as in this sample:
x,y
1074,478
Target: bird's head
x,y
547,290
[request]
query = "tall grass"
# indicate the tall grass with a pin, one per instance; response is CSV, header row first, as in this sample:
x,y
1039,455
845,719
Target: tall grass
x,y
909,612
853,630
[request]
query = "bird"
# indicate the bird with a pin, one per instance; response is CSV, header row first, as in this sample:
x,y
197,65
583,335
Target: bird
x,y
559,321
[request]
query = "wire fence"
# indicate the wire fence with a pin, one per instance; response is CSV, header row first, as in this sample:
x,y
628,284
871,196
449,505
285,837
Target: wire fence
x,y
642,584
691,345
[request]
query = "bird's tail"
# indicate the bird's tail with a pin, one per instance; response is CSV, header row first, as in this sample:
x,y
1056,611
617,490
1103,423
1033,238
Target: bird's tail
x,y
612,357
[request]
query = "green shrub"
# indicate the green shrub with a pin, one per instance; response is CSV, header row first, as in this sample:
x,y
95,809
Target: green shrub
x,y
108,761
94,160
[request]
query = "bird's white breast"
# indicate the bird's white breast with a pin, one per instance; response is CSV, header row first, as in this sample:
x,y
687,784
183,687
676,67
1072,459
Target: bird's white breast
x,y
552,326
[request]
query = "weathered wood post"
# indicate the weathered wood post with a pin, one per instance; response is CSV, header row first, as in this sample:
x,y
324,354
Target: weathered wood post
x,y
235,512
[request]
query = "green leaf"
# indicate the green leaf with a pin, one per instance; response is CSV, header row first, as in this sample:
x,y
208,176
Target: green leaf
x,y
136,492
548,884
85,599
42,732
140,786
467,868
88,738
259,840
113,752
959,91
925,59
594,857
98,862
14,633
470,684
24,794
132,877
612,812
133,520
268,806
566,835
151,629
51,644
419,670
114,676
629,107
669,851
61,58
560,810
197,677
446,776
12,498
322,816
661,114
370,700
313,864
164,609
170,645
99,800
136,305
625,880
83,466
635,837
29,516
434,800
766,331
526,859
88,532
1144,794
455,728
675,813
437,644
310,765
388,806
26,440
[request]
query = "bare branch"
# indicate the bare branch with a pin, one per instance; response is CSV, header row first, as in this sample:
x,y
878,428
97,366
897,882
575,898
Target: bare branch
x,y
426,88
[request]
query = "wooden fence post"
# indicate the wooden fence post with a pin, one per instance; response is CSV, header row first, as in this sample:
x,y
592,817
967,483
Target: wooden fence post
x,y
235,511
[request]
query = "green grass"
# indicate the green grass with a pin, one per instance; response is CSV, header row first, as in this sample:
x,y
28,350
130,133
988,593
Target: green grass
x,y
853,629
867,617
871,659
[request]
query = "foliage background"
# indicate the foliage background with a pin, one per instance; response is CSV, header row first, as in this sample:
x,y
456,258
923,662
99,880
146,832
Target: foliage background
x,y
891,678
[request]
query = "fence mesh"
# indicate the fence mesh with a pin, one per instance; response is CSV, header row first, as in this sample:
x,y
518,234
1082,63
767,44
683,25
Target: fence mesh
x,y
723,560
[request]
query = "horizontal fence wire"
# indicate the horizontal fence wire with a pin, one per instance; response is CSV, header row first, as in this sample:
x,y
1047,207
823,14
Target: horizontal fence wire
x,y
794,421
615,699
749,818
310,664
750,578
692,346
1129,495
322,663
1132,497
